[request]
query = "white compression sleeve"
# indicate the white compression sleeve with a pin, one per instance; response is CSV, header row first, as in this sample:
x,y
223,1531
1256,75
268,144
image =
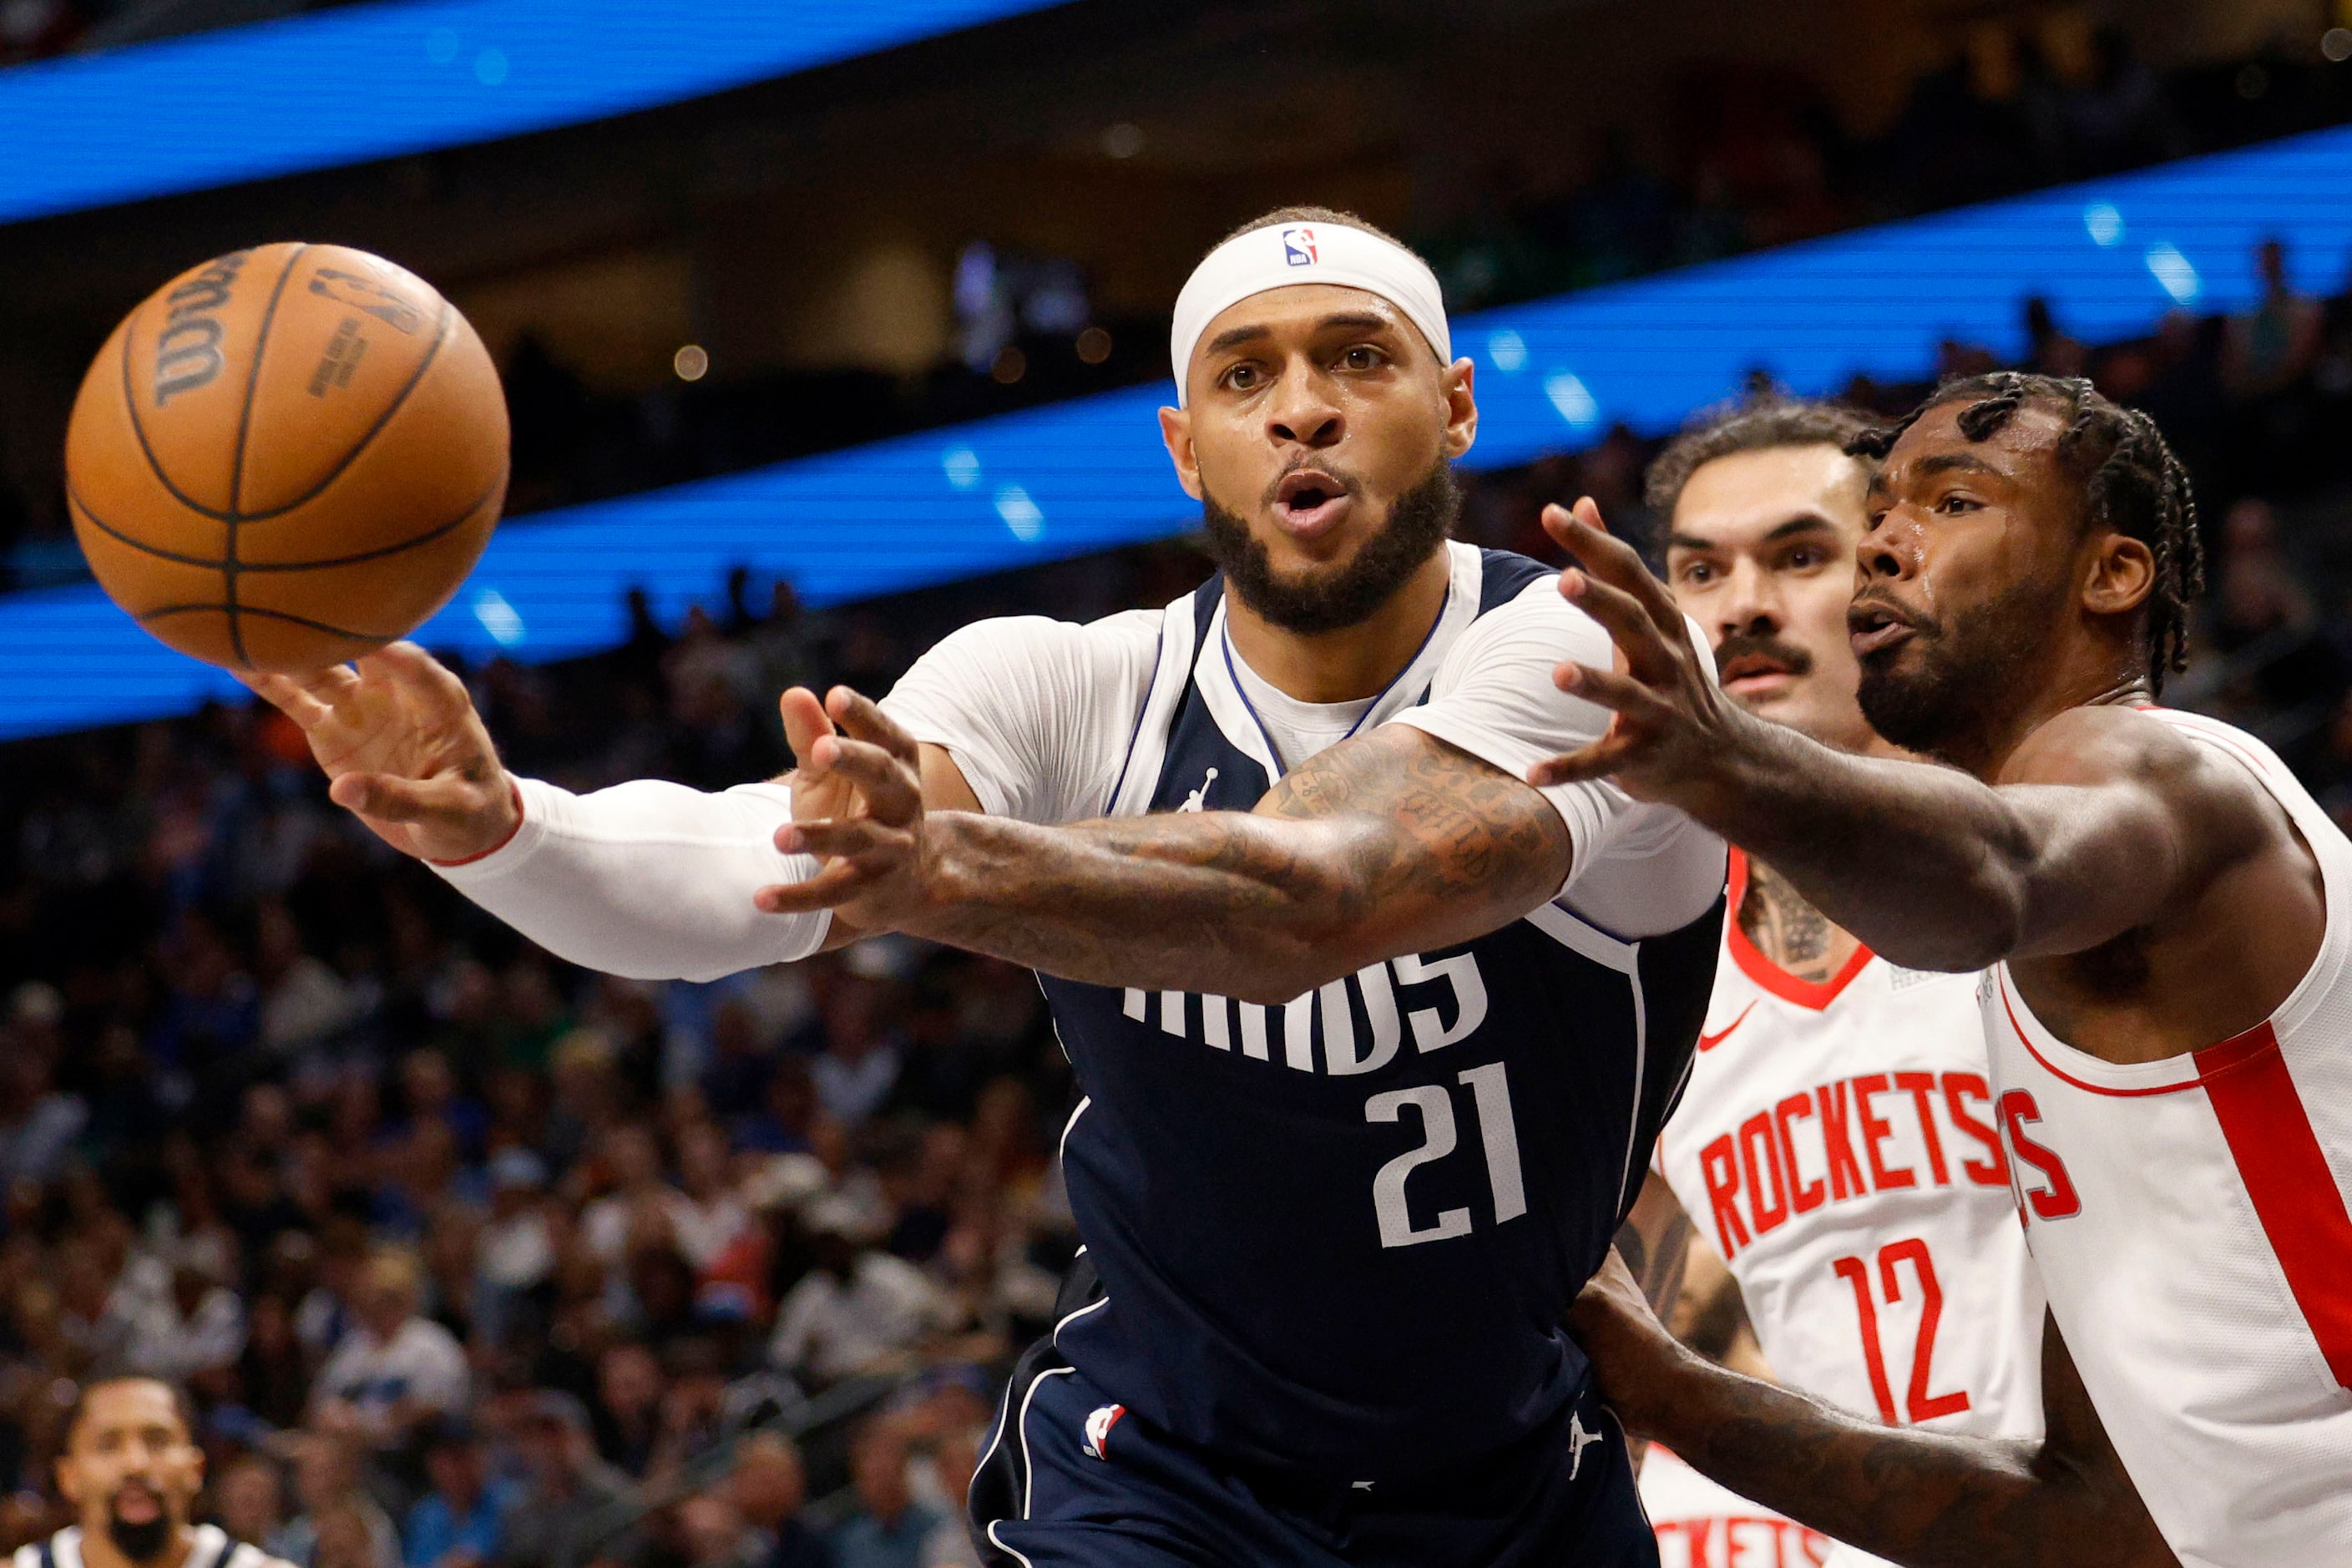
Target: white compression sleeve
x,y
649,881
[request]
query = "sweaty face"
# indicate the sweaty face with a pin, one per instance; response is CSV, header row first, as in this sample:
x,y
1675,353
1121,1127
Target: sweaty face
x,y
1761,552
1317,432
1964,578
129,1468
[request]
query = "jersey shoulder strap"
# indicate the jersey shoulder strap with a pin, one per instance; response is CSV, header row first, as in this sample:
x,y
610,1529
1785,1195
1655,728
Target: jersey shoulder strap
x,y
1507,574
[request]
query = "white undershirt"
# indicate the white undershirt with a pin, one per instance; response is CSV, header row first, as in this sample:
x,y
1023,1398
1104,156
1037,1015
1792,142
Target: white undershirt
x,y
654,881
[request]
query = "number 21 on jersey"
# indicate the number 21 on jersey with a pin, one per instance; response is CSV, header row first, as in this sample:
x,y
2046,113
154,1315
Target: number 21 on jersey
x,y
1490,1092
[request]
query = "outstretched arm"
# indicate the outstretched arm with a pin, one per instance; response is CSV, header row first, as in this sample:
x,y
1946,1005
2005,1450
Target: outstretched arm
x,y
1393,842
1925,1500
2101,823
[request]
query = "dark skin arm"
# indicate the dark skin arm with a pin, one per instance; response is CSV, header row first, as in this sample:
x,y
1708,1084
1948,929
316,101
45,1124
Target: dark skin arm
x,y
1925,1500
2119,866
1393,842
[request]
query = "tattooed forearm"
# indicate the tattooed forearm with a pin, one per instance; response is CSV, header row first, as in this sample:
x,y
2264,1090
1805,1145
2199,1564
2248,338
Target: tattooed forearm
x,y
1390,843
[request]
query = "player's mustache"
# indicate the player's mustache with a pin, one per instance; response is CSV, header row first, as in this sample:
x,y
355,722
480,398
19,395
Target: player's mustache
x,y
1763,645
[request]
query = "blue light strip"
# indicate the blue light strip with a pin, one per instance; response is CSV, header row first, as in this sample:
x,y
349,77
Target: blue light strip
x,y
1079,477
405,75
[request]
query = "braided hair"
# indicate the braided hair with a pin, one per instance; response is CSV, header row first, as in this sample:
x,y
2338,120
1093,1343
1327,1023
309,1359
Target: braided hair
x,y
2132,483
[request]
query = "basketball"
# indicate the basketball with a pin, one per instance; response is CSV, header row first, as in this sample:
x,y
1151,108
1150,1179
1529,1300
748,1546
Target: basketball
x,y
286,457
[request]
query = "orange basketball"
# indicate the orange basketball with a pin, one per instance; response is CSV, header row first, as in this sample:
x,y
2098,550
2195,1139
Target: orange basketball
x,y
286,456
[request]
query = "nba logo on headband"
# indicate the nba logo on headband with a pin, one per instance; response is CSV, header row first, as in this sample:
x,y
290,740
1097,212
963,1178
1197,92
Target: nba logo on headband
x,y
1299,246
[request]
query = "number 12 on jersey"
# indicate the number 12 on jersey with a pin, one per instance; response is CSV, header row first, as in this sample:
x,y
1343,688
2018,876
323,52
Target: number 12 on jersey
x,y
1918,1402
1490,1093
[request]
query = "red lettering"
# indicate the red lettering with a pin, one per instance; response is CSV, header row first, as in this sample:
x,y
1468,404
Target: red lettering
x,y
1806,1195
1921,1085
1875,1131
1923,1406
1853,1271
1770,1218
1718,1167
1993,1173
1845,1176
2059,1199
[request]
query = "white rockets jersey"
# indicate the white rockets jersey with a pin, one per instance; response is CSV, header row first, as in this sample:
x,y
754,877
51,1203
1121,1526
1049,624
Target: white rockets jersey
x,y
2190,1219
1702,1525
1836,1146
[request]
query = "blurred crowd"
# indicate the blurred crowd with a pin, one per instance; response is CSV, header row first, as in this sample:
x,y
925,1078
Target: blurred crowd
x,y
467,1257
471,1257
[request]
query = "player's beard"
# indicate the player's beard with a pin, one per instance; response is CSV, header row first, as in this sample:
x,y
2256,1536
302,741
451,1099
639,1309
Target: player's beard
x,y
1419,522
1968,673
142,1541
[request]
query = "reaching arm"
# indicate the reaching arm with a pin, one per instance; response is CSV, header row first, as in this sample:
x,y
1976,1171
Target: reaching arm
x,y
2102,821
1654,1242
1393,842
1921,1499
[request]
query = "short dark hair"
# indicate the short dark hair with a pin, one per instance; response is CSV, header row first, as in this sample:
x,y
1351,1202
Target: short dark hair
x,y
2132,483
181,1403
1759,428
1313,215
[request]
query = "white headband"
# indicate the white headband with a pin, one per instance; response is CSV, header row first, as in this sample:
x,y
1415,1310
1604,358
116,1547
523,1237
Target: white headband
x,y
1280,255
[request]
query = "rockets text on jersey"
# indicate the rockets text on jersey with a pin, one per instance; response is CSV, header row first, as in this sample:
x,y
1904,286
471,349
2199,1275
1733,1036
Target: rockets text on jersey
x,y
2192,1219
1838,1143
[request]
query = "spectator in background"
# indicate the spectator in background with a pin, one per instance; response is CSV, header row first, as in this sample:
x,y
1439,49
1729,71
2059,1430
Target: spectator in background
x,y
706,1216
2260,591
862,1054
458,1524
564,1488
858,1307
2273,345
250,1502
327,1485
39,1123
515,1253
889,1528
715,1535
769,1486
393,1371
628,1407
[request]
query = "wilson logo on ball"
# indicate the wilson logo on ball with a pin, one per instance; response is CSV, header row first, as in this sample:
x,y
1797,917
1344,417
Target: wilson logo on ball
x,y
187,351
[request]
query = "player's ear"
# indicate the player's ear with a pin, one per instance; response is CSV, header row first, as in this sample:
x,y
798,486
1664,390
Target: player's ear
x,y
2122,575
1461,405
68,1479
1176,431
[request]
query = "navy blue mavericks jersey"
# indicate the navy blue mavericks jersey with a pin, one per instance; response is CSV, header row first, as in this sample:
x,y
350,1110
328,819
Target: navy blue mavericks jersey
x,y
1340,1235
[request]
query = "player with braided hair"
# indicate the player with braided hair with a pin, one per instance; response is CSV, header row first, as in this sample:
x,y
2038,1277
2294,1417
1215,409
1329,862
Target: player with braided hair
x,y
2166,916
2133,482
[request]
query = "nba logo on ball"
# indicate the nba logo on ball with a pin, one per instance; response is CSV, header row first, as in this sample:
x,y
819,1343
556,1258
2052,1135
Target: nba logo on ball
x,y
1099,1425
1299,246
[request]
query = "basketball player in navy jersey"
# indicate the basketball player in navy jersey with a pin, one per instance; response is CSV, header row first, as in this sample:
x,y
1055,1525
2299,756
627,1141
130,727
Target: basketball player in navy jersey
x,y
1374,1038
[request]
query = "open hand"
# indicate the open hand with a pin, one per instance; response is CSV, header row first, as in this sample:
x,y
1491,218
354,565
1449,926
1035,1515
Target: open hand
x,y
1671,728
404,750
857,806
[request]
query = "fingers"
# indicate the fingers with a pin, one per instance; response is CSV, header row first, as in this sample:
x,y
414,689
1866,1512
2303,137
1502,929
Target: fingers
x,y
418,676
891,792
1597,760
289,698
861,716
804,724
1648,653
1611,559
838,883
389,799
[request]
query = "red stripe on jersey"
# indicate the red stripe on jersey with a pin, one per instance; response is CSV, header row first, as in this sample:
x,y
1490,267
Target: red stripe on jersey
x,y
1813,994
2285,1172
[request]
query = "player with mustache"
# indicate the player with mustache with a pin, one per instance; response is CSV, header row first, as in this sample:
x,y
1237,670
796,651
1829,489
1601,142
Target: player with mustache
x,y
1835,1143
131,1469
2166,918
